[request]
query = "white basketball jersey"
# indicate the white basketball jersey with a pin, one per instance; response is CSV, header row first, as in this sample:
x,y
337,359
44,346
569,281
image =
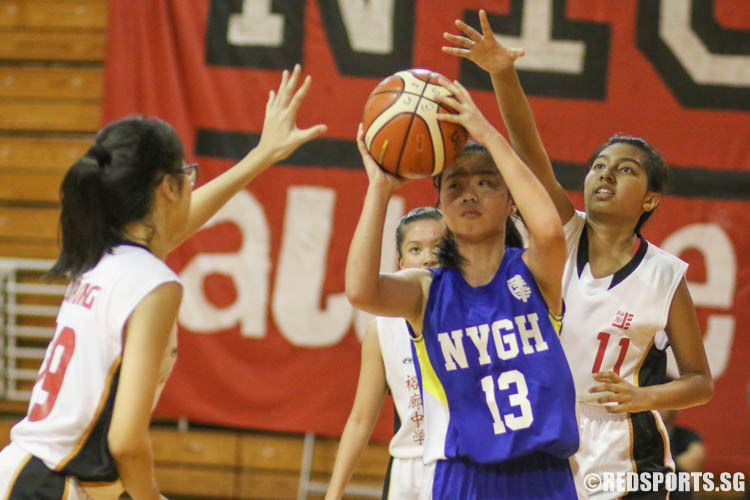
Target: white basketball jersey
x,y
395,345
611,323
72,400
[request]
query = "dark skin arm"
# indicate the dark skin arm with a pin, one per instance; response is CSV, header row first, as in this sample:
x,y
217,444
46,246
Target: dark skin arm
x,y
693,387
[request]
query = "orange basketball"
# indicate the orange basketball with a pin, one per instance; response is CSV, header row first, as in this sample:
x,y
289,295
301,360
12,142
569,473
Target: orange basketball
x,y
402,132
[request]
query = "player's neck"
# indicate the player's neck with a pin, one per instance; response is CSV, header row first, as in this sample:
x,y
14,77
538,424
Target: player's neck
x,y
610,247
481,260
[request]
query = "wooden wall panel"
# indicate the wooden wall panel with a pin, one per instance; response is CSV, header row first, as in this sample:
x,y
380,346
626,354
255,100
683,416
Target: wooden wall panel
x,y
41,154
33,82
59,116
52,46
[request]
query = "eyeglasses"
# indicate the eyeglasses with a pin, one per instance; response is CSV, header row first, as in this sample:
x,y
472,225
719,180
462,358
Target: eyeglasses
x,y
191,170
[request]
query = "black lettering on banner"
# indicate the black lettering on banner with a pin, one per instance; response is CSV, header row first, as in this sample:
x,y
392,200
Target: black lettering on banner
x,y
241,33
364,43
703,64
685,182
541,70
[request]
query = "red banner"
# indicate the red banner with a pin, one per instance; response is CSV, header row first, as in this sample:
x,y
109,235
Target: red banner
x,y
267,338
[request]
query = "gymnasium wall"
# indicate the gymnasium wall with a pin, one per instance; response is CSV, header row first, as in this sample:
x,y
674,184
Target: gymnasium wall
x,y
267,339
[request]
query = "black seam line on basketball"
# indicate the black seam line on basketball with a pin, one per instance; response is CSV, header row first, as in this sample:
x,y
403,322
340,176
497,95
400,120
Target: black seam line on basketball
x,y
413,115
686,181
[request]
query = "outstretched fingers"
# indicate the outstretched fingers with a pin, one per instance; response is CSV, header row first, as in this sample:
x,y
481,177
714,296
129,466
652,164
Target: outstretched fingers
x,y
468,30
299,96
484,22
311,133
461,41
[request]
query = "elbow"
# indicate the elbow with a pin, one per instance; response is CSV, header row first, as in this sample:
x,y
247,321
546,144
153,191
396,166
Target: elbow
x,y
358,294
358,299
125,448
708,389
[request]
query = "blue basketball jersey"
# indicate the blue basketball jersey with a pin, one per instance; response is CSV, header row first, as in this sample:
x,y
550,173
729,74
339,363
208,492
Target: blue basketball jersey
x,y
495,382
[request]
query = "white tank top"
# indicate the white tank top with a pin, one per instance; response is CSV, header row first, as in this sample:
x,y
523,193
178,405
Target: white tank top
x,y
616,323
395,345
71,403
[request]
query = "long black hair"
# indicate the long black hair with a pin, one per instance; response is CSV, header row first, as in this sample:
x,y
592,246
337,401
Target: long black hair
x,y
112,185
657,171
447,249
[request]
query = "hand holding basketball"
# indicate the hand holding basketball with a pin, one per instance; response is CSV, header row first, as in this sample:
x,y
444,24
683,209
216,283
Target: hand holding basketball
x,y
466,113
280,135
376,175
482,49
402,132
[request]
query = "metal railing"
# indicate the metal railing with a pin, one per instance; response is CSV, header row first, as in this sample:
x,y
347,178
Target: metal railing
x,y
26,322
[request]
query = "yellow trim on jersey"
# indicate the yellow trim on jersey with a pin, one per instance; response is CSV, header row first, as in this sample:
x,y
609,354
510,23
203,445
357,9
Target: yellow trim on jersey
x,y
430,382
13,480
94,419
556,322
640,363
66,490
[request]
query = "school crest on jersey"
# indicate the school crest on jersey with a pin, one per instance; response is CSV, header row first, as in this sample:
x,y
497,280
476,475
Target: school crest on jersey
x,y
622,320
519,288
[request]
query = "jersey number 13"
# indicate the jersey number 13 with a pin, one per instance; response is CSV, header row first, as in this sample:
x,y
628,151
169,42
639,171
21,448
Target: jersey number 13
x,y
514,422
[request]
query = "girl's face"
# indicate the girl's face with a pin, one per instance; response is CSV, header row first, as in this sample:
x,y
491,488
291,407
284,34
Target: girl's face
x,y
421,239
474,198
617,183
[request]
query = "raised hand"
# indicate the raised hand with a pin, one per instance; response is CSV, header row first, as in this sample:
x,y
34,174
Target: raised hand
x,y
483,49
280,135
467,113
376,175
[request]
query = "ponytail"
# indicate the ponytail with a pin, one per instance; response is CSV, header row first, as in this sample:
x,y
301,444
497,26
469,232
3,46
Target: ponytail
x,y
111,186
85,233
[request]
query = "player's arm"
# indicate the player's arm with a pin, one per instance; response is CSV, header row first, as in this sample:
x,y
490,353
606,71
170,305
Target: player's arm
x,y
694,386
545,256
385,294
487,53
279,138
368,400
146,336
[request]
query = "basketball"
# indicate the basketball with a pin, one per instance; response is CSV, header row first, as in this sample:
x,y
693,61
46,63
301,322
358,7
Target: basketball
x,y
402,132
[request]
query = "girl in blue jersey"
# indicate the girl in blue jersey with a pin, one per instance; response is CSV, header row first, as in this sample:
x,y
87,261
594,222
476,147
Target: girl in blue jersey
x,y
497,392
618,366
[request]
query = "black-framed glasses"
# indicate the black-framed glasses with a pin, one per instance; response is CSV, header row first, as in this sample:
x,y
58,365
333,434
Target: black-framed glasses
x,y
191,170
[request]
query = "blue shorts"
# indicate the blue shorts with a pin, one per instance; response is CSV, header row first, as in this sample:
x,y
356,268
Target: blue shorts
x,y
536,476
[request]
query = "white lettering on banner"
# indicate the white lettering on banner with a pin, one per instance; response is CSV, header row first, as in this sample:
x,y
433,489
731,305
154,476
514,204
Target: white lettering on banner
x,y
388,257
256,25
369,24
543,53
248,268
702,66
717,291
308,223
